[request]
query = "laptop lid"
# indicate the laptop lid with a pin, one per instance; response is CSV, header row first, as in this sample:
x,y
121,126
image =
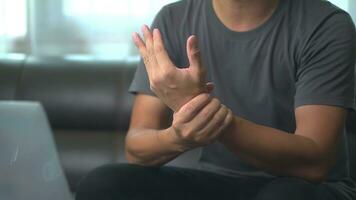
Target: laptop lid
x,y
29,164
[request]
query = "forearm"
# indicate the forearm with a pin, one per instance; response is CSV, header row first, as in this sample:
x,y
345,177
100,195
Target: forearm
x,y
150,147
276,151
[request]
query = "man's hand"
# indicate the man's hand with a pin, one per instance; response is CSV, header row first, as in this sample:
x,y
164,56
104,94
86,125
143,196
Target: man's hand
x,y
174,86
199,122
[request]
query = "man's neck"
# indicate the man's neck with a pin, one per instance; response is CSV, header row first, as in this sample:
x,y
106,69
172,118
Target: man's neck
x,y
244,15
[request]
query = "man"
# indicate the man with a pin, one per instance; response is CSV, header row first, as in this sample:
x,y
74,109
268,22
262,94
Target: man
x,y
264,86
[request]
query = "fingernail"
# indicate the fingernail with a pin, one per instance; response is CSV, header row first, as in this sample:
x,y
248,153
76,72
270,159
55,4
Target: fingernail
x,y
143,28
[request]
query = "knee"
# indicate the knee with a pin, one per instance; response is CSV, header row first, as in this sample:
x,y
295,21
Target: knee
x,y
287,188
112,180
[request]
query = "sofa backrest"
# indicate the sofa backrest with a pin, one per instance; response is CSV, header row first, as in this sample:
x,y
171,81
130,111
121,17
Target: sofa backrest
x,y
10,75
86,95
76,95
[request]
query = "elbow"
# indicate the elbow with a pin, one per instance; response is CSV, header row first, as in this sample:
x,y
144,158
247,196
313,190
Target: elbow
x,y
130,154
131,151
136,158
132,157
317,168
316,177
134,154
316,174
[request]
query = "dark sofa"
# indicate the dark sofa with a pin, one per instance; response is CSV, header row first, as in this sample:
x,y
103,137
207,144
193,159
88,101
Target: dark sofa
x,y
88,107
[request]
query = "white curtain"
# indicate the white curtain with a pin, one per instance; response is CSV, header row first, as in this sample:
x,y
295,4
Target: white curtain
x,y
87,29
100,28
12,22
82,29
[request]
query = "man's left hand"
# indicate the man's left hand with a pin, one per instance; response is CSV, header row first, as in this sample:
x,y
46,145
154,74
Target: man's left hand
x,y
174,86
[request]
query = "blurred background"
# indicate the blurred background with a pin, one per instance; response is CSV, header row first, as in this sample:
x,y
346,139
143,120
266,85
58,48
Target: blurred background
x,y
79,29
82,29
77,60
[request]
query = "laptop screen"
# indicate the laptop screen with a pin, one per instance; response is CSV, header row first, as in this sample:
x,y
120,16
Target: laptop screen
x,y
29,164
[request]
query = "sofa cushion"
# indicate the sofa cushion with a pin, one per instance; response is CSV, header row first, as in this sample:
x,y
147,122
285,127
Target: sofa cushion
x,y
10,71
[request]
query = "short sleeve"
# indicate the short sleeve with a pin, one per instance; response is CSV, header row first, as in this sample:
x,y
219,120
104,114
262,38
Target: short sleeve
x,y
162,21
140,82
326,74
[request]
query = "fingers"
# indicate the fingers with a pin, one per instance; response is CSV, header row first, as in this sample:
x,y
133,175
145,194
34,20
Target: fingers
x,y
149,57
227,121
188,111
193,52
152,50
139,43
148,38
213,127
143,49
147,50
160,52
205,115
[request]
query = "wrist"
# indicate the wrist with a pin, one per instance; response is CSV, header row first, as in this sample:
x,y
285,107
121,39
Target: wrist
x,y
179,104
232,129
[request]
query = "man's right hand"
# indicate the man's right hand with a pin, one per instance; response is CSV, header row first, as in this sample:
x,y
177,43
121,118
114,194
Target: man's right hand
x,y
199,122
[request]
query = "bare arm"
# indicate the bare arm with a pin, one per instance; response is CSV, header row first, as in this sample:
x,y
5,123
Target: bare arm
x,y
151,141
150,117
309,153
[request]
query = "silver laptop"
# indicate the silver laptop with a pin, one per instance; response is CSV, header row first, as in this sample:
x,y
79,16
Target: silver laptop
x,y
29,164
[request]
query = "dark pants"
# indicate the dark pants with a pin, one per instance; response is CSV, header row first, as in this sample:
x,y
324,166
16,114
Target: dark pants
x,y
125,181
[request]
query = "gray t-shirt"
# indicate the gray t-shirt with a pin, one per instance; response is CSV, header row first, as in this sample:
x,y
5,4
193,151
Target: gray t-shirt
x,y
304,54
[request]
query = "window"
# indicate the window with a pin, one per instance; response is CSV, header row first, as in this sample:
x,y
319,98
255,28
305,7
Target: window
x,y
88,29
100,28
82,29
343,4
105,26
12,22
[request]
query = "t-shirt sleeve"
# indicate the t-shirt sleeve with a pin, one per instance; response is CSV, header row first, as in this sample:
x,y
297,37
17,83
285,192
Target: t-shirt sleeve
x,y
162,21
140,82
326,74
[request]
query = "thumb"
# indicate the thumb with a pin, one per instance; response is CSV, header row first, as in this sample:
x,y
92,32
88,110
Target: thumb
x,y
209,87
193,52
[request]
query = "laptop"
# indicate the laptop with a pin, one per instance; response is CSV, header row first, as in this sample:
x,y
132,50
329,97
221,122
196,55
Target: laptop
x,y
29,164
